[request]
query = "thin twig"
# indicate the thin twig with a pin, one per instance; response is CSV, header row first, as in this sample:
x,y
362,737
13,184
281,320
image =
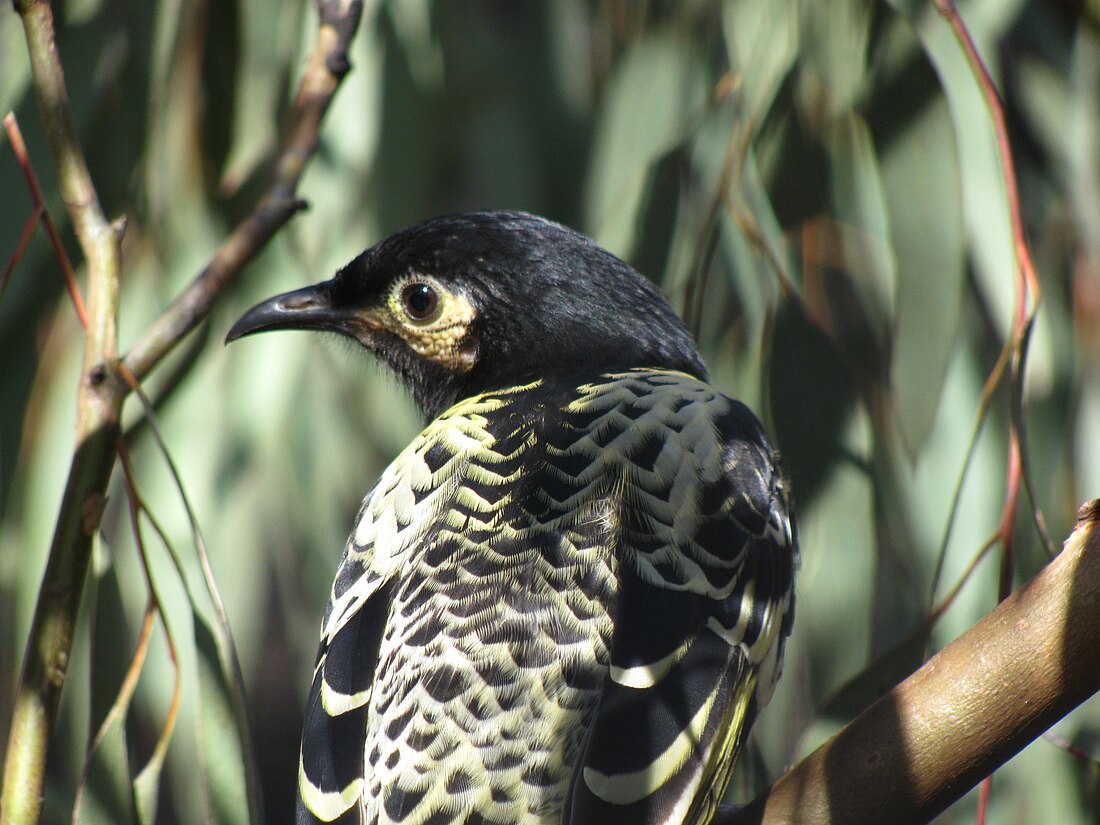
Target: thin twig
x,y
101,391
15,136
984,402
1025,282
1025,269
327,66
117,714
137,508
1076,751
24,241
227,652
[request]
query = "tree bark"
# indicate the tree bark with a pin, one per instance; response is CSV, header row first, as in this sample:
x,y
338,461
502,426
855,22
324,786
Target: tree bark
x,y
964,713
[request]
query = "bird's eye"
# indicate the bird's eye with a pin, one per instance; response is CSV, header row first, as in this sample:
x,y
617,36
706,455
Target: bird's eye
x,y
420,301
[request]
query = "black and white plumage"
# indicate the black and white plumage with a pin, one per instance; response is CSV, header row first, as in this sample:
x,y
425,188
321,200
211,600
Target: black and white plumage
x,y
565,601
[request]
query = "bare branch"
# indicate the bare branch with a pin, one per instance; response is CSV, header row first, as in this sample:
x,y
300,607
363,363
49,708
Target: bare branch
x,y
102,391
327,66
99,405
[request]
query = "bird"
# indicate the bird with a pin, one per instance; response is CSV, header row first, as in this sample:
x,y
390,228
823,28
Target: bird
x,y
567,599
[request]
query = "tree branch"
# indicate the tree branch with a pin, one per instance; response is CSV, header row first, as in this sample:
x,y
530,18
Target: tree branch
x,y
102,391
328,63
99,405
964,713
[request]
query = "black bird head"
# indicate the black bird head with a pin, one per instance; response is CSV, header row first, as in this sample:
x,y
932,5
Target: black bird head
x,y
473,302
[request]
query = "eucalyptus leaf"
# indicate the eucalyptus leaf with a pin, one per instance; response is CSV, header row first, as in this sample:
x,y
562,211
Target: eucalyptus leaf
x,y
834,52
219,723
860,231
763,41
921,177
985,205
653,98
147,790
107,794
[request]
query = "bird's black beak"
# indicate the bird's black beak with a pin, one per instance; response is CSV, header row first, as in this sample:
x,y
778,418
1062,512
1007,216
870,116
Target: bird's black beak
x,y
311,307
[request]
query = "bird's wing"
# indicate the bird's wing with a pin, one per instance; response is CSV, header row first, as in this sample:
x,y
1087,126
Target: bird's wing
x,y
330,768
708,555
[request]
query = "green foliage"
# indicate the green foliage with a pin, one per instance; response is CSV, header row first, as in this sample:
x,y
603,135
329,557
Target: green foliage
x,y
733,151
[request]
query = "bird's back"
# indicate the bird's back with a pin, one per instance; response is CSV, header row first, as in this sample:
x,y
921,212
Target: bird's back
x,y
484,636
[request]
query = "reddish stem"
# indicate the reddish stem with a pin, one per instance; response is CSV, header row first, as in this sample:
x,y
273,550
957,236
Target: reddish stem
x,y
20,150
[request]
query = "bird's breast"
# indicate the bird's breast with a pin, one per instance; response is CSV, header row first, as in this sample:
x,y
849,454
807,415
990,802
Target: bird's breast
x,y
503,528
499,628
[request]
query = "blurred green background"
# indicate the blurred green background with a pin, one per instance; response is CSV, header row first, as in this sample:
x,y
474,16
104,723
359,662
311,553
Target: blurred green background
x,y
723,148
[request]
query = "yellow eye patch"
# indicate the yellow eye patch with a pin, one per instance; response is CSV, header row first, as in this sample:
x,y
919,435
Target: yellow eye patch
x,y
432,320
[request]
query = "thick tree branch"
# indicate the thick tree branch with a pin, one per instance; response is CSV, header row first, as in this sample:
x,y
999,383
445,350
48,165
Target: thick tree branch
x,y
99,405
964,713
